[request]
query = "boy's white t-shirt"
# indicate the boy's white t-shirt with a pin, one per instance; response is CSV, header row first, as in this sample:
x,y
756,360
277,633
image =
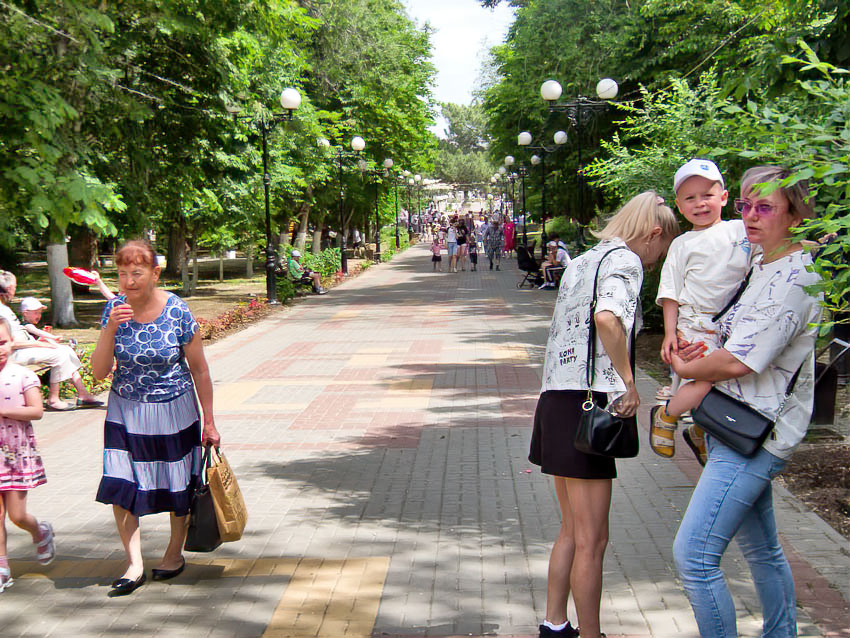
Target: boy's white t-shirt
x,y
702,272
772,330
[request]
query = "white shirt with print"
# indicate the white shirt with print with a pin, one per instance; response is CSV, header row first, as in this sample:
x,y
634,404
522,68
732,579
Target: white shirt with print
x,y
702,272
620,279
772,330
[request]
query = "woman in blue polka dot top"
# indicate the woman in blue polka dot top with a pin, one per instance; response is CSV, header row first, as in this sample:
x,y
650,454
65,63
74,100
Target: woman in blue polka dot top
x,y
152,435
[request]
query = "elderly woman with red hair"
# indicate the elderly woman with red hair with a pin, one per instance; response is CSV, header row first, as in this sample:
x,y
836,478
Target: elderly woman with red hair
x,y
152,435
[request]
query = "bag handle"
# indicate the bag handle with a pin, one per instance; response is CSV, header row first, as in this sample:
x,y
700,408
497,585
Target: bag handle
x,y
590,368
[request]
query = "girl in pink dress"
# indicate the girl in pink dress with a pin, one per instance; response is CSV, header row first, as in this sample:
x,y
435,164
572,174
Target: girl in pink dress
x,y
21,468
509,236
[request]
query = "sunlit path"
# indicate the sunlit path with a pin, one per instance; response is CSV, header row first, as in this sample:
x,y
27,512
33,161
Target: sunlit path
x,y
380,434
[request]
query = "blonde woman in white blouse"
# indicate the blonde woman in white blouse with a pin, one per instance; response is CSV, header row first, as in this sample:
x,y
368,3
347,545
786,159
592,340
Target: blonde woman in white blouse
x,y
639,235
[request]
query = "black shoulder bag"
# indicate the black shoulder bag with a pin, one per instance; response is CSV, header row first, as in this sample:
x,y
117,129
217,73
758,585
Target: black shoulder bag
x,y
203,534
600,432
731,421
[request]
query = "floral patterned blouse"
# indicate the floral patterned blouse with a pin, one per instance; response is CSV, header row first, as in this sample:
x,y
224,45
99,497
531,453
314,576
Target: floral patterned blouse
x,y
620,279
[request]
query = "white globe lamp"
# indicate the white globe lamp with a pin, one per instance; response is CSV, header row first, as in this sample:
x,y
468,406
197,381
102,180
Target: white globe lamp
x,y
606,89
550,90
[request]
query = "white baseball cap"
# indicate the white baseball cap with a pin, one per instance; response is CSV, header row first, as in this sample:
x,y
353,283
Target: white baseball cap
x,y
296,253
31,303
702,167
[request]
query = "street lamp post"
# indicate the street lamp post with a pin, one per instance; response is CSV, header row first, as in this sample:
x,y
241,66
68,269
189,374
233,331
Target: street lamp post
x,y
357,144
524,139
378,173
396,179
523,171
580,112
290,100
418,179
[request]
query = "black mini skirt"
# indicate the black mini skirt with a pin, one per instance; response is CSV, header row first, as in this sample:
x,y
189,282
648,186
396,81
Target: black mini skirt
x,y
555,423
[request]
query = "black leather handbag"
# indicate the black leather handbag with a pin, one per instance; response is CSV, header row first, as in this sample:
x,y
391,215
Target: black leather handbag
x,y
203,534
732,422
600,432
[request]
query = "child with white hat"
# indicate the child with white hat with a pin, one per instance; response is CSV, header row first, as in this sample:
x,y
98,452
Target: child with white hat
x,y
703,270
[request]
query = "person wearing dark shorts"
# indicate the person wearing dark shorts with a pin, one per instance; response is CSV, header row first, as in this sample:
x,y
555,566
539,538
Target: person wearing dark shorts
x,y
635,238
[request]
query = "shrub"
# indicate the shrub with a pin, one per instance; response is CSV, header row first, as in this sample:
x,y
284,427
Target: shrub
x,y
388,248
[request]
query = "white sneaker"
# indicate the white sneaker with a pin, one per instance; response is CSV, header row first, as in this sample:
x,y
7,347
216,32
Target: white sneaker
x,y
6,580
46,547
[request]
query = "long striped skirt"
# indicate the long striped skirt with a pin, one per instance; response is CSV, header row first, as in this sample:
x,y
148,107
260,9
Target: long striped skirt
x,y
151,455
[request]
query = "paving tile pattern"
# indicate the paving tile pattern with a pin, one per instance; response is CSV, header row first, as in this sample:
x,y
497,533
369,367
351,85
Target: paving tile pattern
x,y
380,436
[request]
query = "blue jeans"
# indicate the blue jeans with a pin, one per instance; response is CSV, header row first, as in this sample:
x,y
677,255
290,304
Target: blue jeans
x,y
734,498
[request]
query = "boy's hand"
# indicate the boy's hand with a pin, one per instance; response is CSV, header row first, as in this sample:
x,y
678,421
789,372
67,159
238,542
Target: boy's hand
x,y
669,347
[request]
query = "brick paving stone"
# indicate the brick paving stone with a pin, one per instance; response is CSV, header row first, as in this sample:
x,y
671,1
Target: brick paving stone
x,y
388,423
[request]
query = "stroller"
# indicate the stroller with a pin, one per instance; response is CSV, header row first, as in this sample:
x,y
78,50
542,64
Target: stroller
x,y
526,262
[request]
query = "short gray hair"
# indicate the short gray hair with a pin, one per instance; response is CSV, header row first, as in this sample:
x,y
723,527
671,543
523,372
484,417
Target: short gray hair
x,y
7,279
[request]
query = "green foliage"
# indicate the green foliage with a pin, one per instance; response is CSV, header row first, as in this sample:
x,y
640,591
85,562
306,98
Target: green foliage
x,y
388,249
662,131
285,289
568,232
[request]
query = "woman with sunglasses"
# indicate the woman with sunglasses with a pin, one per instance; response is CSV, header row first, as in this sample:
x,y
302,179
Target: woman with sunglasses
x,y
767,335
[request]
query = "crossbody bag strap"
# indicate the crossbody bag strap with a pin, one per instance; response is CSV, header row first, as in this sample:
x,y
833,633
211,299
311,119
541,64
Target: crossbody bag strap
x,y
734,298
590,368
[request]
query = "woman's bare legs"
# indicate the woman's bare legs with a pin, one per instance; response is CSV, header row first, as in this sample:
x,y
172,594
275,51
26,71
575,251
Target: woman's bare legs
x,y
560,560
131,539
576,560
173,557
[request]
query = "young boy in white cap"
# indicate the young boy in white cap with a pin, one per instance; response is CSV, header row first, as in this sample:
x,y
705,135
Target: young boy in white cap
x,y
703,271
31,313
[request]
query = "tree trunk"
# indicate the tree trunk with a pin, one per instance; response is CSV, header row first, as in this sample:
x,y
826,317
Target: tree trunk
x,y
249,261
176,246
83,248
301,240
61,295
317,241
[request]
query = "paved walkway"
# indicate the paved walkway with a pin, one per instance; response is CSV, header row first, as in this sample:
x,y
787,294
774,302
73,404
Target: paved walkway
x,y
380,436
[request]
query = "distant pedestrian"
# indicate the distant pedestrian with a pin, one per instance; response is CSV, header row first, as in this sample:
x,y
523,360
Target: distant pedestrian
x,y
462,244
152,434
494,242
451,245
436,256
510,237
635,238
473,252
21,468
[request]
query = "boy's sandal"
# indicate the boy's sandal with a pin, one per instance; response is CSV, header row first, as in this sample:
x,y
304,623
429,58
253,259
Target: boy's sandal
x,y
697,445
661,434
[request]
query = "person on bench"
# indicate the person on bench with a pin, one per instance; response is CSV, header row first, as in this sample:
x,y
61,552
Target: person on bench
x,y
557,259
302,275
63,361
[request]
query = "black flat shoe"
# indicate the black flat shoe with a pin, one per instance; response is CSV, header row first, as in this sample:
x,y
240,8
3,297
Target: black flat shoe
x,y
167,574
125,586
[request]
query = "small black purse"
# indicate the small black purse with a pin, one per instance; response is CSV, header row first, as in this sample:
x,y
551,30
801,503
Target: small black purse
x,y
732,422
203,534
600,432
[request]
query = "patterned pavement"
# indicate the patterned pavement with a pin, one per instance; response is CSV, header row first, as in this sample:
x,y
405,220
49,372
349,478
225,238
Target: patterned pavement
x,y
380,435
